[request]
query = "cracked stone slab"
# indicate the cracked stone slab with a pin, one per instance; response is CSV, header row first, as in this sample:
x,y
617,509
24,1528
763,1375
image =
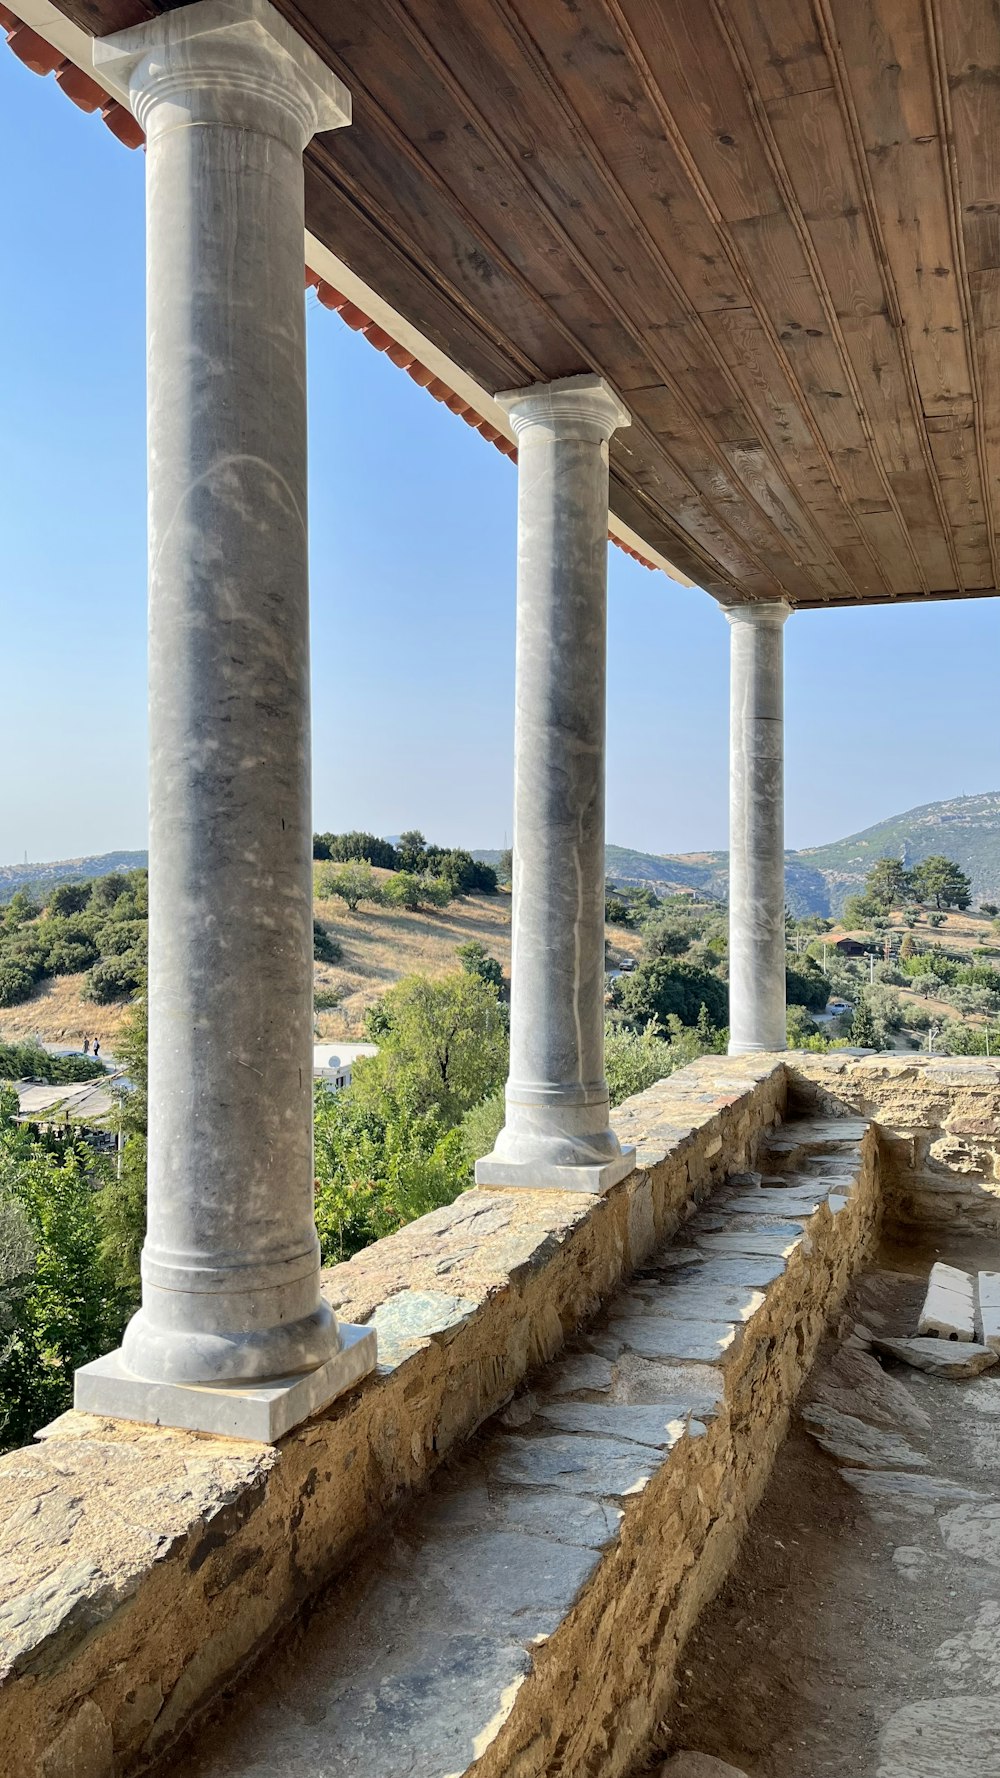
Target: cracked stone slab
x,y
691,1299
942,1358
655,1336
567,1518
777,1241
658,1427
580,1463
855,1382
852,1441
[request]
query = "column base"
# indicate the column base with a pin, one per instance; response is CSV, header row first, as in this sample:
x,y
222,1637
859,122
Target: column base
x,y
549,1176
757,1049
263,1411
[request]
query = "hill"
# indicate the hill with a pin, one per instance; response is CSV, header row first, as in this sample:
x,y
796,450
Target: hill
x,y
820,878
38,879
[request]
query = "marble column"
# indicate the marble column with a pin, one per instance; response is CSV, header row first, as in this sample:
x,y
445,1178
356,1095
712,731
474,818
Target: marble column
x,y
233,1334
557,1131
756,829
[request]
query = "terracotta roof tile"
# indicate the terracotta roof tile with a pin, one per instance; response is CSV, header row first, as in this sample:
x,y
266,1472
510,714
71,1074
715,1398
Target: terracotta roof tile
x,y
42,58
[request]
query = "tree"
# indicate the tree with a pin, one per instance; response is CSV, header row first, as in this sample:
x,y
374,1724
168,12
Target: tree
x,y
353,883
505,867
864,1027
122,1203
476,960
442,1048
661,986
412,841
907,948
887,883
374,1174
942,881
406,890
69,898
663,937
806,986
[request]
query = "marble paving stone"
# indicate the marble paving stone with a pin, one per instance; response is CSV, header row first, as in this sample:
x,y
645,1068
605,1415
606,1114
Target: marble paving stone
x,y
582,1370
654,1336
974,1654
779,1242
697,1765
752,1271
583,1464
568,1518
658,1427
943,1358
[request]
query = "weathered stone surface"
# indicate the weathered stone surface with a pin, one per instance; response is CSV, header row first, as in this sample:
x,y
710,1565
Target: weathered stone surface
x,y
974,1530
948,1312
697,1765
656,1336
855,1382
906,1485
657,1426
940,1737
211,1581
777,1242
973,1656
942,1358
601,1466
852,1441
414,1315
911,1560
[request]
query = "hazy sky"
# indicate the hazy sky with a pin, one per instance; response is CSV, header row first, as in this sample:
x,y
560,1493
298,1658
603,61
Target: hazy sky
x,y
412,544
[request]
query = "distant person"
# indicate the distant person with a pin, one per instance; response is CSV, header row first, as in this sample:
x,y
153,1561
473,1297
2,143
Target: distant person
x,y
86,1047
97,1048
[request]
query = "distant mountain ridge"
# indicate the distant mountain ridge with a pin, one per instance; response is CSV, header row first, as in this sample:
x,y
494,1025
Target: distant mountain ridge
x,y
817,879
37,878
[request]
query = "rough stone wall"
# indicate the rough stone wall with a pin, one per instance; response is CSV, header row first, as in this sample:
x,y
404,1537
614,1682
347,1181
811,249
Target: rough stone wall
x,y
938,1119
607,1678
141,1568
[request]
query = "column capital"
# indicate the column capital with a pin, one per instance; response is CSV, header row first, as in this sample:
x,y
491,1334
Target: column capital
x,y
764,612
565,406
228,62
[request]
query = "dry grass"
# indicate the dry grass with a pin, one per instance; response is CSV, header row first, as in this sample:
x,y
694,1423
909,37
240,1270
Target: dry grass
x,y
58,1013
380,945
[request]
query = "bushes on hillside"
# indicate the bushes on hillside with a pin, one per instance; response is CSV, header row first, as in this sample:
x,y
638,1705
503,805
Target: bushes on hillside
x,y
98,926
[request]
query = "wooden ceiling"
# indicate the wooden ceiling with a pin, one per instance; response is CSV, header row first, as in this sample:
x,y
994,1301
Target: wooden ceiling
x,y
773,225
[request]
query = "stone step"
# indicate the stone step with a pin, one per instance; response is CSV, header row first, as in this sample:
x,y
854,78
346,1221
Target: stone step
x,y
594,1492
949,1311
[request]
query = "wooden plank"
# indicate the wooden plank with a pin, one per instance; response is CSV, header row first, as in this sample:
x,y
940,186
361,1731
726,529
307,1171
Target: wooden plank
x,y
891,83
787,50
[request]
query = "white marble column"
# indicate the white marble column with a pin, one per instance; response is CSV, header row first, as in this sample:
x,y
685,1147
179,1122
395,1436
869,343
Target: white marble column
x,y
228,95
557,1132
756,829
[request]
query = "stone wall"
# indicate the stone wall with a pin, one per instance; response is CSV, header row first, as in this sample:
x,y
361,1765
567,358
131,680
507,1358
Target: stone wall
x,y
140,1569
938,1119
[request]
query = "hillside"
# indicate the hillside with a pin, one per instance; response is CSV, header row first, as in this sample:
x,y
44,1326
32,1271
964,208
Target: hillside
x,y
819,878
40,878
379,945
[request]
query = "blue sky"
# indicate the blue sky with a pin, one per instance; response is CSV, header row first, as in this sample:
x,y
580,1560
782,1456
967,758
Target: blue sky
x,y
412,546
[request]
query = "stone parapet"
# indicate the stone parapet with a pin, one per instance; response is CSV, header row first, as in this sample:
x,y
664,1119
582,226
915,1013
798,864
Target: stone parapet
x,y
141,1569
938,1119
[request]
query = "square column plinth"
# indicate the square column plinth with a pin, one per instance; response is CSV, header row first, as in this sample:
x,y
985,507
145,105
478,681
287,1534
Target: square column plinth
x,y
263,1411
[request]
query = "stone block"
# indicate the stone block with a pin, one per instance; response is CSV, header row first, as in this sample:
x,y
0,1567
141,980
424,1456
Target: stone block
x,y
942,1358
263,1412
988,1319
949,1306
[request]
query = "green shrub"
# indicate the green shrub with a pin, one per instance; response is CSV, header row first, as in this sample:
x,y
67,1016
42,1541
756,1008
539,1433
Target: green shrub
x,y
16,982
28,1061
115,978
325,999
326,948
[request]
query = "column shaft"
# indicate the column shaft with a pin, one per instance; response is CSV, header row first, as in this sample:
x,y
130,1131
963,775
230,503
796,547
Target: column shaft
x,y
228,96
756,829
557,1131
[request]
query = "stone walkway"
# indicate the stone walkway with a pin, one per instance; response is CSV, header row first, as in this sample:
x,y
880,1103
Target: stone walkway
x,y
859,1633
665,1407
